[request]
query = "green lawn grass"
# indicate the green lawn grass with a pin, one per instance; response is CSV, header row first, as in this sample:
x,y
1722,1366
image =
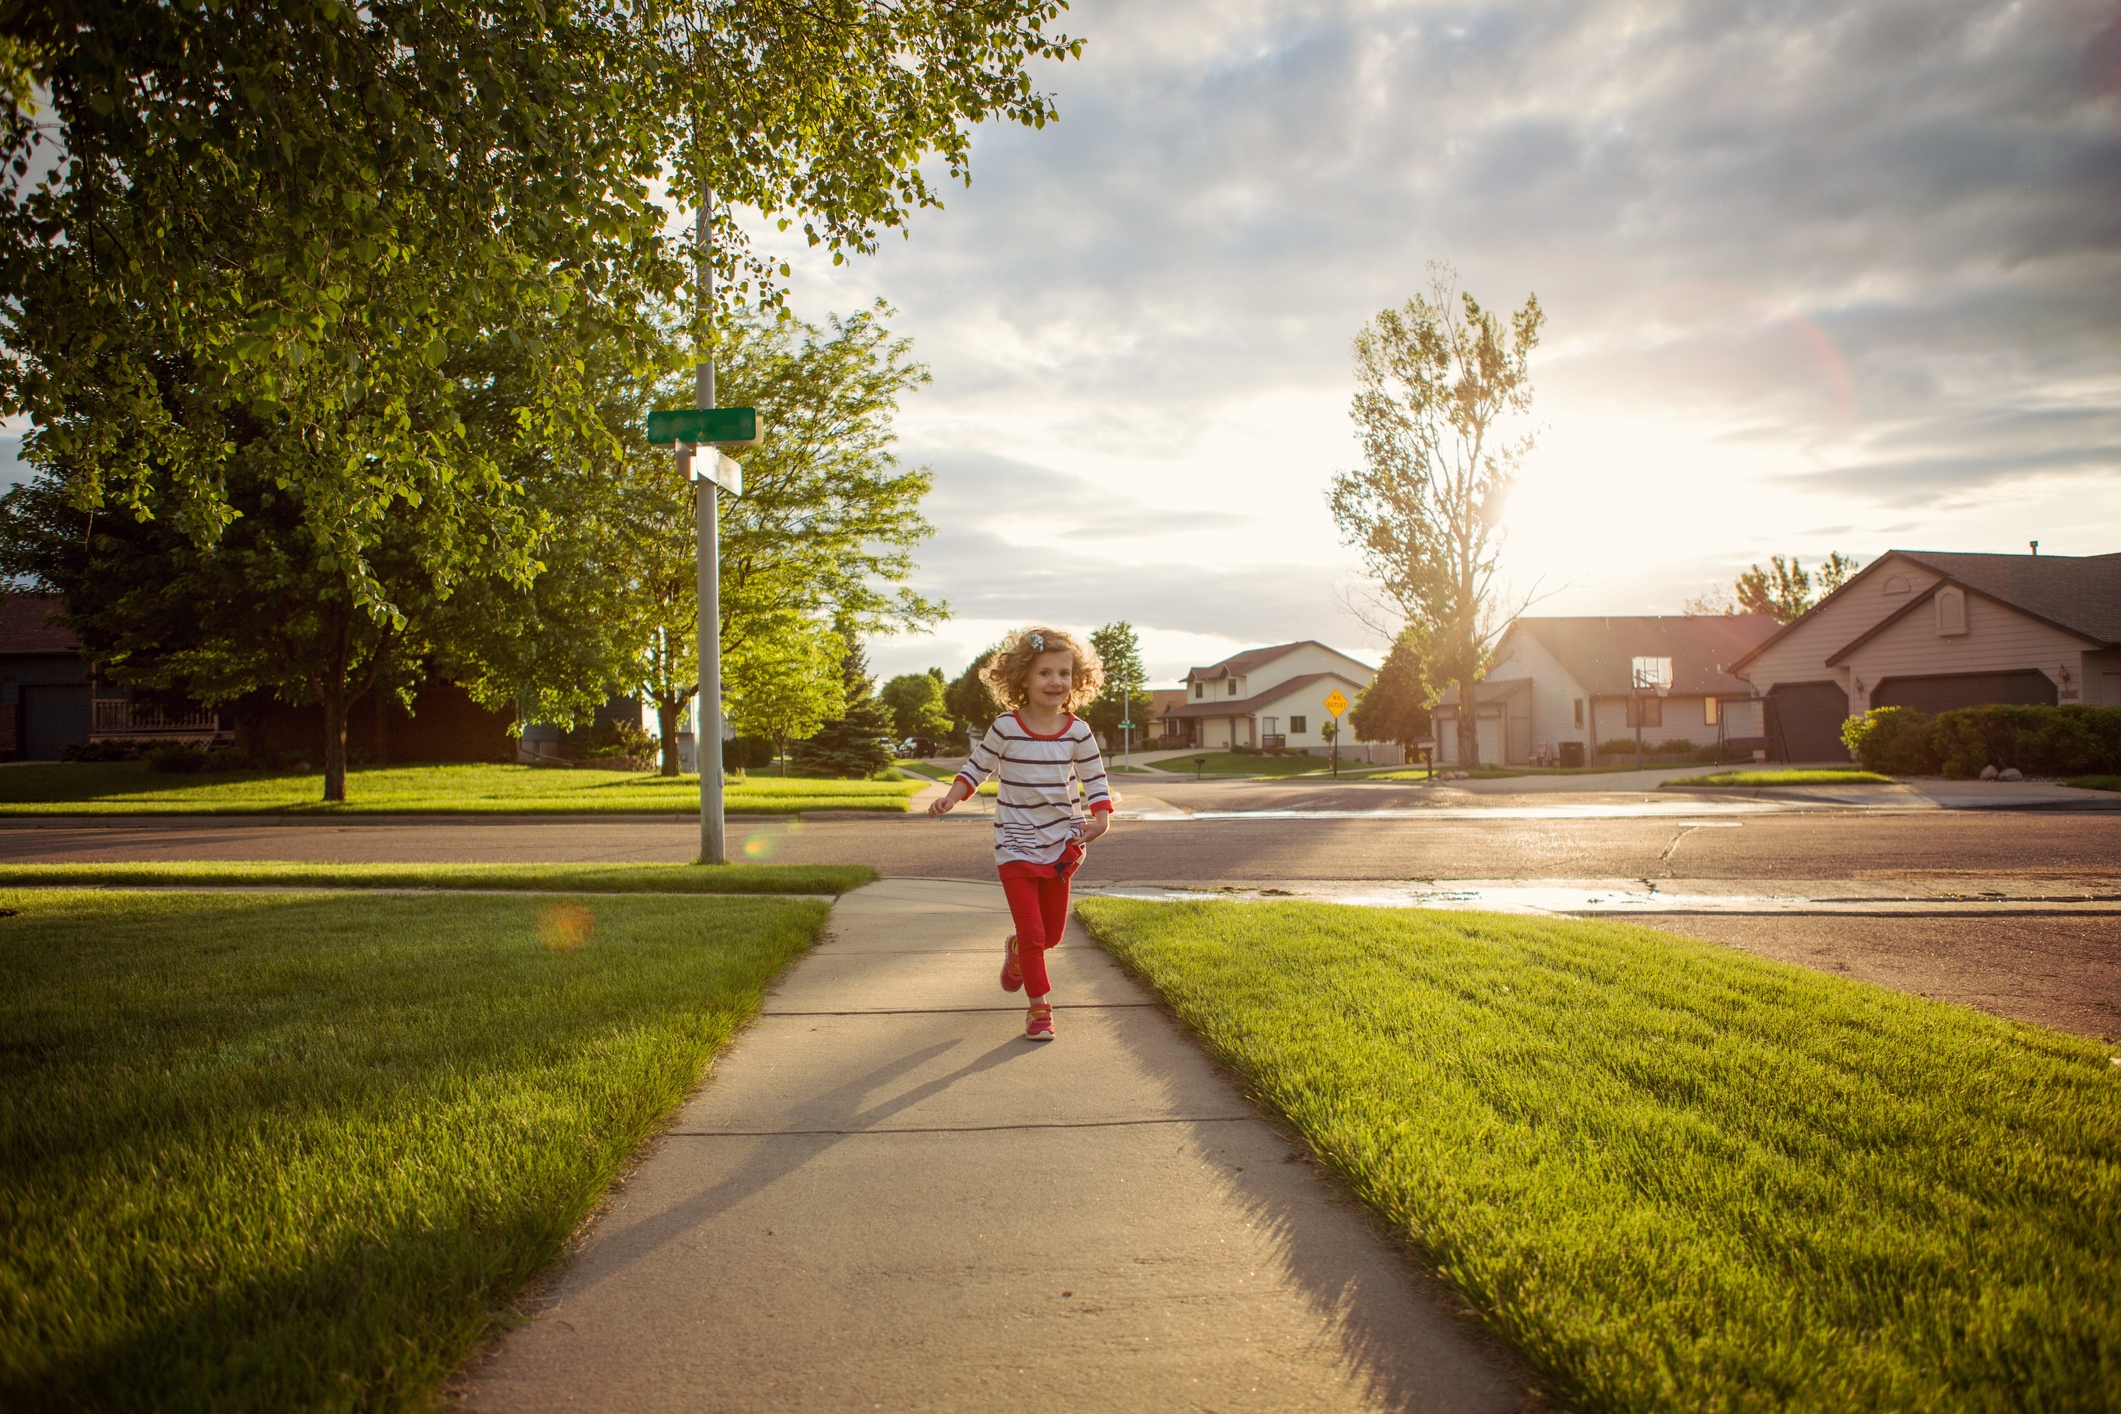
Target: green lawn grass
x,y
1233,763
134,788
1677,1177
926,768
576,878
264,1152
2096,782
1786,778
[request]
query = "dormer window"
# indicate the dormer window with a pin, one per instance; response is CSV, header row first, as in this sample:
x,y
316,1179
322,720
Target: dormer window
x,y
1200,690
1233,687
1951,612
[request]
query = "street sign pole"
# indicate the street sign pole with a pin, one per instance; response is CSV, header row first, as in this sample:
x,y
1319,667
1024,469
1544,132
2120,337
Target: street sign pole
x,y
1336,703
707,519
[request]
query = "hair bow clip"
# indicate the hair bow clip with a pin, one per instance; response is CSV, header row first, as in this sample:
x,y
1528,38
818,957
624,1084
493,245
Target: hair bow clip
x,y
1038,643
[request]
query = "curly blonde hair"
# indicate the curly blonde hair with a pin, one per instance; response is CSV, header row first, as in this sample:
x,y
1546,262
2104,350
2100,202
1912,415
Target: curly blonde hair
x,y
1007,671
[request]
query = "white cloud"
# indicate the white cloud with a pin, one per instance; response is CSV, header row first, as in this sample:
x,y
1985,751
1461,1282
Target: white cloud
x,y
1817,277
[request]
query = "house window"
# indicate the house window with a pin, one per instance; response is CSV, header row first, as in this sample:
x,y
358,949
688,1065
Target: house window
x,y
1708,710
1579,711
1199,690
1233,687
1299,725
1645,711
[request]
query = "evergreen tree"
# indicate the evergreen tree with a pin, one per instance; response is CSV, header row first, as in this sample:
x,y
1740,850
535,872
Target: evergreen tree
x,y
1395,706
851,746
971,706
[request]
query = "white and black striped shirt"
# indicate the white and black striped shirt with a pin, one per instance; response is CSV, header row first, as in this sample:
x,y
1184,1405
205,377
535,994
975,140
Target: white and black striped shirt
x,y
1036,813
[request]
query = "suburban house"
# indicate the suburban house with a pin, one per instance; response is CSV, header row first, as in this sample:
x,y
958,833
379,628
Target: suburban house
x,y
1272,698
1938,630
1560,686
1161,725
50,699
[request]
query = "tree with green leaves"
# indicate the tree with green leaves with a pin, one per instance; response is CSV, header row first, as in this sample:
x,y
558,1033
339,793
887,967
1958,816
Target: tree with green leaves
x,y
972,707
786,685
827,523
251,245
1442,384
915,701
1782,591
1395,706
850,745
1125,698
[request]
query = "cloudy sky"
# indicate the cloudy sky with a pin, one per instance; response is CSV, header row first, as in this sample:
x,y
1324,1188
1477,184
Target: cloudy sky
x,y
1817,277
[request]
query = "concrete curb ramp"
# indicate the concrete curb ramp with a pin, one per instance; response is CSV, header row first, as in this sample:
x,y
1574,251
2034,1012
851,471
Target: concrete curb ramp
x,y
886,1199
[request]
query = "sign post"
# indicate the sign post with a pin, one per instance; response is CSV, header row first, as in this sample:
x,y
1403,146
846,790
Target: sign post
x,y
699,433
1653,673
1126,724
1336,704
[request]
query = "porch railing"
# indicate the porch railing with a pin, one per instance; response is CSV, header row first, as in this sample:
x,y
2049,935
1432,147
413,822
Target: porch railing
x,y
118,717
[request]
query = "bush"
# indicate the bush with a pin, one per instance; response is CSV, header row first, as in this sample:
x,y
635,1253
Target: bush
x,y
100,751
1677,746
2040,741
747,753
176,758
1619,746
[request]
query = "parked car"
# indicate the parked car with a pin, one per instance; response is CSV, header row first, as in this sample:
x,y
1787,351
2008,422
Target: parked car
x,y
919,747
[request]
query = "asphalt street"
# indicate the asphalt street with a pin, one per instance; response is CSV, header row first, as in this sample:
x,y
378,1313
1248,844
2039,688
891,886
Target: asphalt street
x,y
2016,911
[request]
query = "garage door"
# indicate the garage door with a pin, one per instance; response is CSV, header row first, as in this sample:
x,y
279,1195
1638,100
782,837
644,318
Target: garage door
x,y
1946,691
1804,721
52,717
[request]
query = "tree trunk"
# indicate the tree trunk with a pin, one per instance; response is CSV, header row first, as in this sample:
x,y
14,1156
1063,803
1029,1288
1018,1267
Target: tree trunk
x,y
333,697
1467,725
666,719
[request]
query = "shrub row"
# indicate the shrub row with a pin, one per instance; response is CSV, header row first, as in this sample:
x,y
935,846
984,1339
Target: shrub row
x,y
2040,741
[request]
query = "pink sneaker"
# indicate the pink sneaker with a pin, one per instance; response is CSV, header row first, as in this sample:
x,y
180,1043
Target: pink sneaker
x,y
1038,1022
1012,975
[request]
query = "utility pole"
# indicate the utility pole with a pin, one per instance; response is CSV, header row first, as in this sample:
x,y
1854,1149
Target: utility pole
x,y
707,515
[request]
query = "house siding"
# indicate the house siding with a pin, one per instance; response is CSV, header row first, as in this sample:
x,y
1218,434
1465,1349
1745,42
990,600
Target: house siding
x,y
1997,639
1801,656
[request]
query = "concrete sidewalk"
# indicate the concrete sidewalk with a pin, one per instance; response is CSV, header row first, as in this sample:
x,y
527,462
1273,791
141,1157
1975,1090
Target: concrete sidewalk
x,y
885,1198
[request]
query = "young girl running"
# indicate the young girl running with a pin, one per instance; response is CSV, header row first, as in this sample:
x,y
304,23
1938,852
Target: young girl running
x,y
1042,675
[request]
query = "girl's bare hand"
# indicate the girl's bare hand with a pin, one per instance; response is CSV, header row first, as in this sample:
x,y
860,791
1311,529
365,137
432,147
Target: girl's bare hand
x,y
1097,824
939,808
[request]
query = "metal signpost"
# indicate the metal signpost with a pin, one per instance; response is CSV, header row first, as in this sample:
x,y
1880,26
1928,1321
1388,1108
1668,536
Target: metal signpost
x,y
702,431
1652,673
1336,704
1126,724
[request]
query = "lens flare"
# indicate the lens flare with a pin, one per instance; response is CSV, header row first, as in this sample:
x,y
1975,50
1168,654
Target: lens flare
x,y
762,845
566,926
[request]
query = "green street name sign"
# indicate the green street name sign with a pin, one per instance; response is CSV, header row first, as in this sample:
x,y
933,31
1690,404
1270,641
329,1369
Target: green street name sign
x,y
699,427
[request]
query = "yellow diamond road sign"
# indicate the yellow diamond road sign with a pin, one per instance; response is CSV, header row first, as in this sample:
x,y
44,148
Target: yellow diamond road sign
x,y
1335,703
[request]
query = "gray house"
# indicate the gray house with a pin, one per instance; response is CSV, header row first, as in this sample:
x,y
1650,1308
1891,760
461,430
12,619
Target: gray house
x,y
1560,686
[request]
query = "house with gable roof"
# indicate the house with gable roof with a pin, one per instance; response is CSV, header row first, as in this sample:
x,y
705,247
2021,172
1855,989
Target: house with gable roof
x,y
1935,630
1558,682
1264,697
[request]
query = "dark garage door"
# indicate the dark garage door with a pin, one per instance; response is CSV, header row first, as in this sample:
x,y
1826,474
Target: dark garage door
x,y
1949,690
52,717
1804,720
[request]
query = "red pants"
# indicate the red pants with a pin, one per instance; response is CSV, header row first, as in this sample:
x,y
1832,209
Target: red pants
x,y
1038,905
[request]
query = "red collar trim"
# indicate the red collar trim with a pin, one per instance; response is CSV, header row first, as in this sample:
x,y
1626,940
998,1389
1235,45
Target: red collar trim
x,y
1042,736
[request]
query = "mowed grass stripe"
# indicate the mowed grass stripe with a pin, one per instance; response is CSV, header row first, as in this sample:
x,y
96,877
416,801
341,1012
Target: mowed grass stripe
x,y
134,788
296,1151
1675,1176
544,878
